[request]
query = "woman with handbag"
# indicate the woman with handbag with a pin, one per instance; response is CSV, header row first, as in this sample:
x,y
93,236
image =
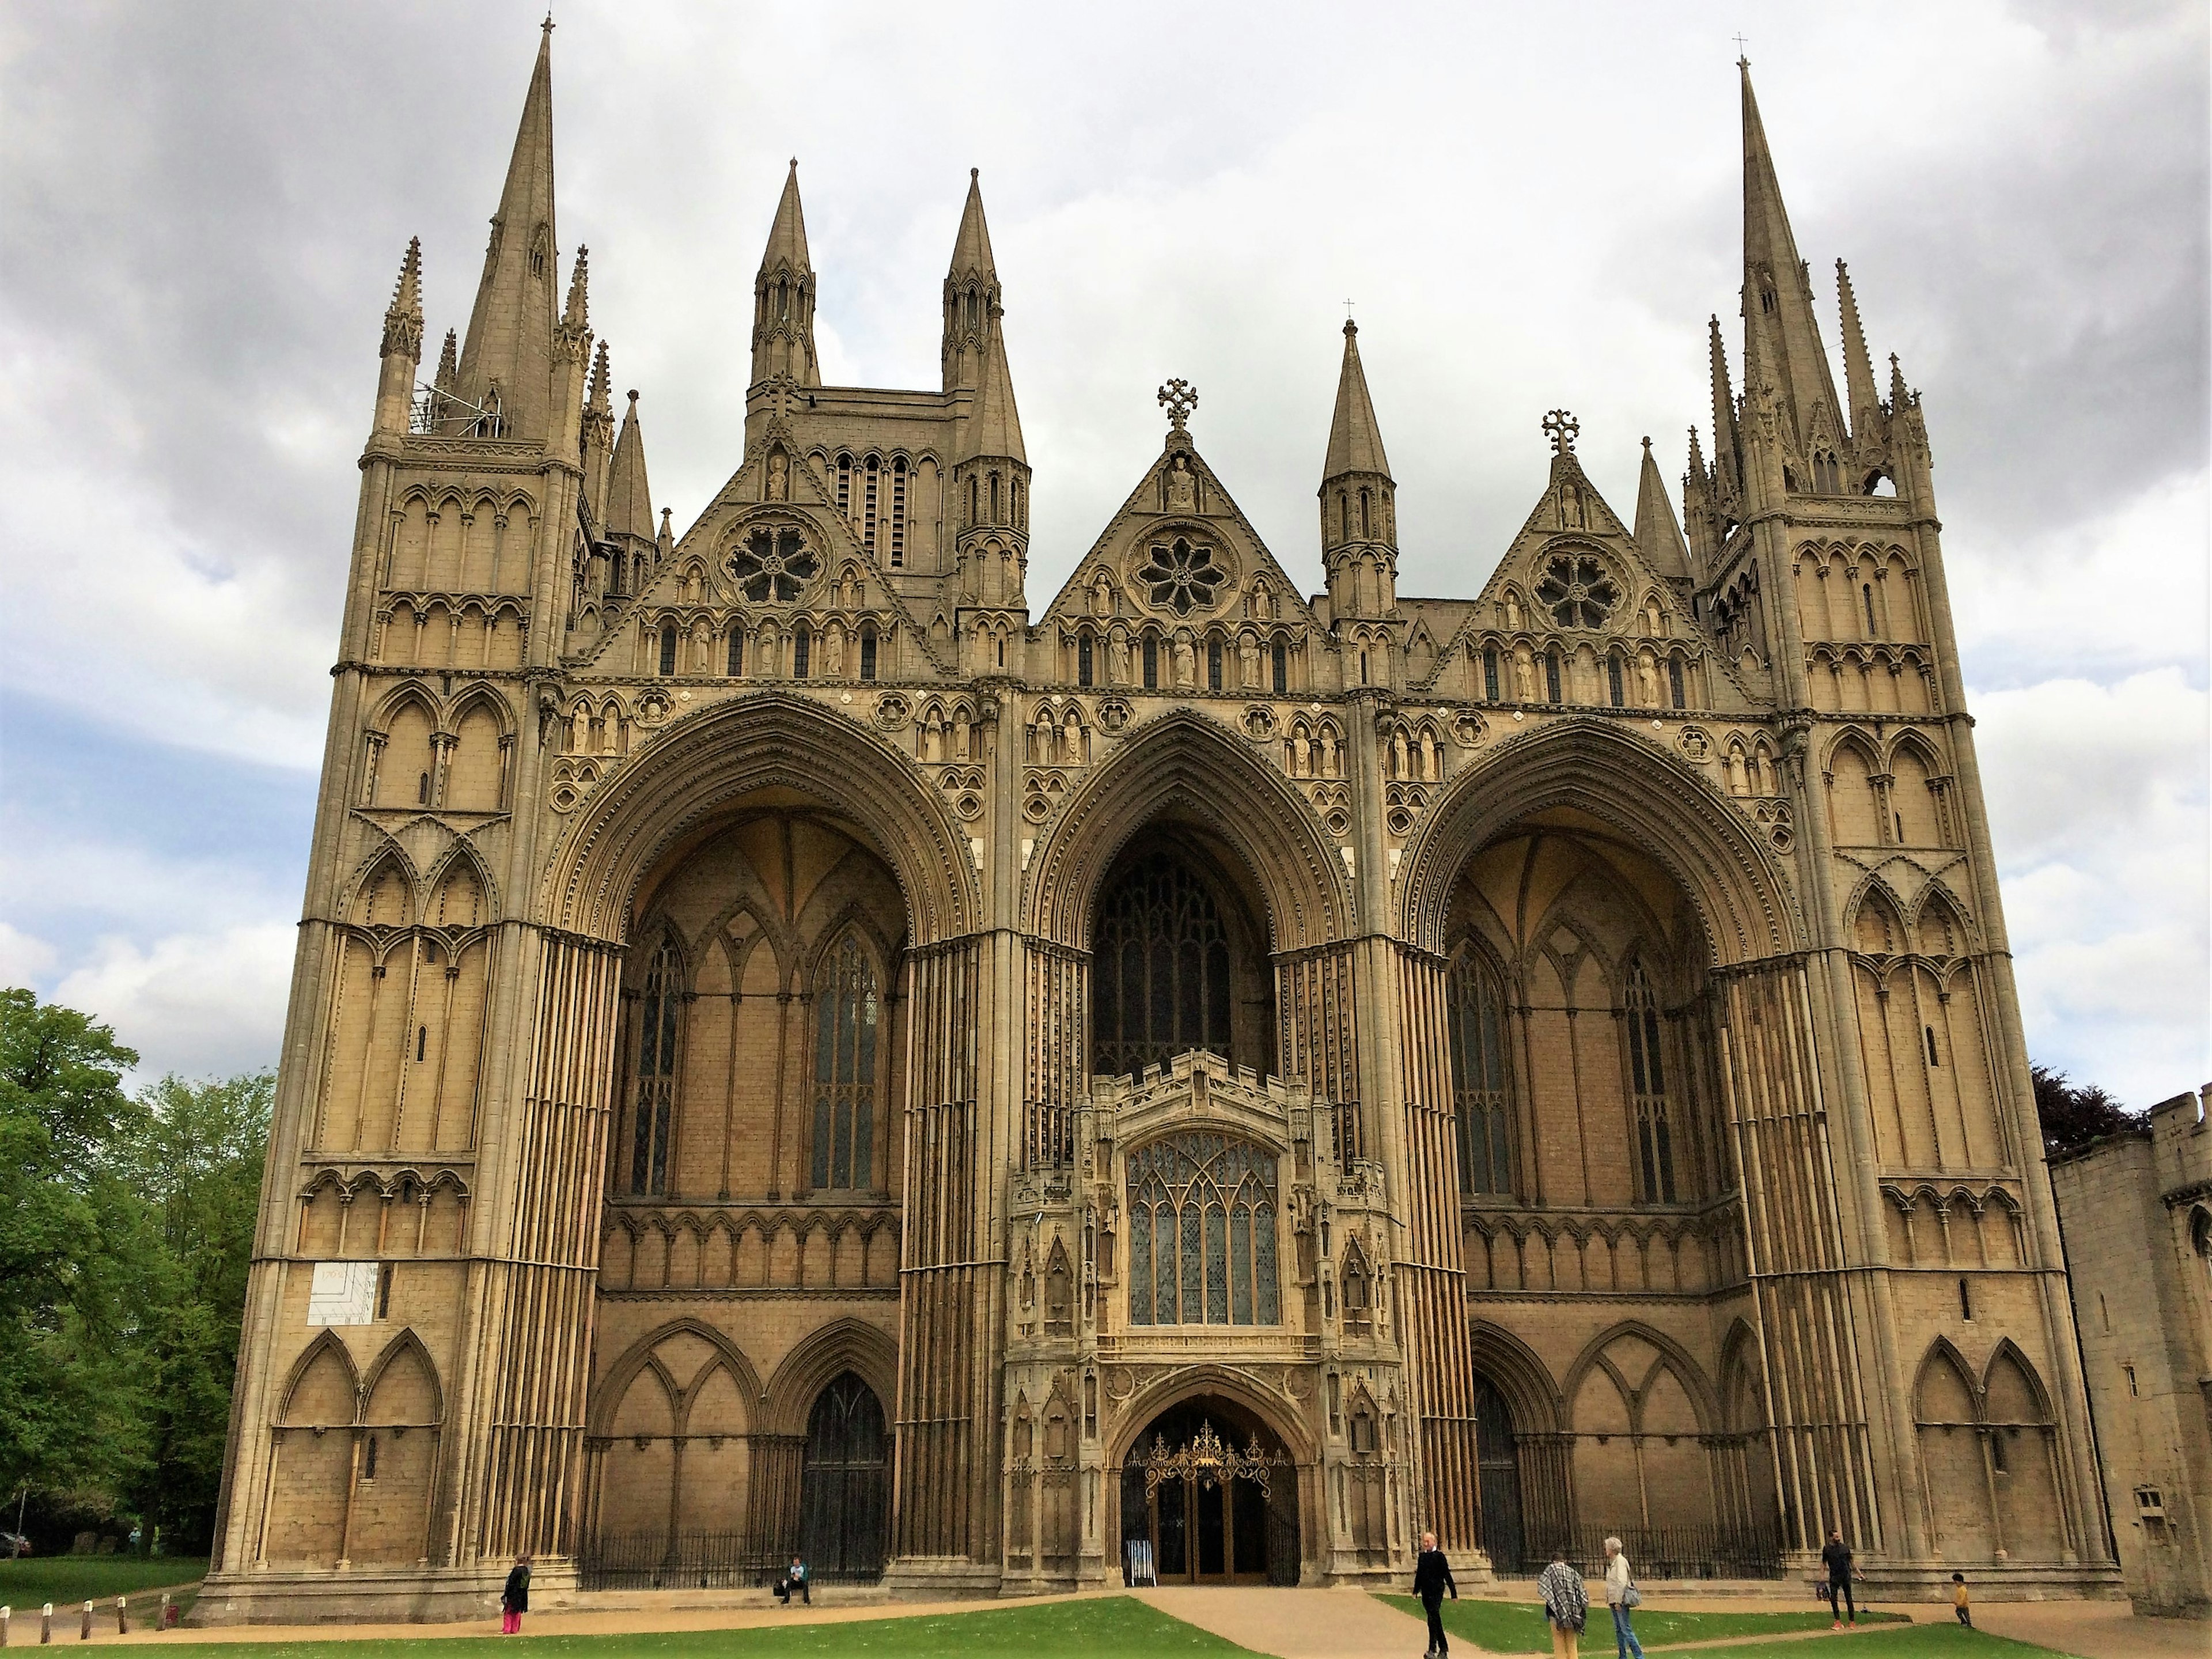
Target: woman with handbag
x,y
1621,1599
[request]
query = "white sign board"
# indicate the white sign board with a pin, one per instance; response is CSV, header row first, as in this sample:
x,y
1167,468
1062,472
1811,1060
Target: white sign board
x,y
343,1293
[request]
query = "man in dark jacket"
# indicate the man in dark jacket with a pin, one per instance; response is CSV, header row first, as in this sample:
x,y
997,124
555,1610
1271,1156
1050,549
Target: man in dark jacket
x,y
1837,1558
1432,1576
515,1600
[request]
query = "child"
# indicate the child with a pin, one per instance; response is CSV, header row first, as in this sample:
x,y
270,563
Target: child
x,y
1960,1604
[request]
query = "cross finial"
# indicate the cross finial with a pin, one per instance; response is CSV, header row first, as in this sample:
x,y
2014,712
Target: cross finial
x,y
1347,310
1561,428
548,25
1742,61
1178,398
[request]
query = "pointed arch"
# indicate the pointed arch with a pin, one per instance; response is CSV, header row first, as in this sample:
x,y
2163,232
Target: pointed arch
x,y
1672,1356
1943,1388
1671,813
404,1360
608,1393
388,880
1184,764
843,1344
463,858
687,775
323,1376
1519,1373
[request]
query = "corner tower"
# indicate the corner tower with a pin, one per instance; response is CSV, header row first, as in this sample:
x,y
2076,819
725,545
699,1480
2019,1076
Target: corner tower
x,y
990,468
1358,500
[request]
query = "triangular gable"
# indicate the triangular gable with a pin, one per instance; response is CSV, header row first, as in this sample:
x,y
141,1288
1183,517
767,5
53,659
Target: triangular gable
x,y
805,491
1148,504
1571,511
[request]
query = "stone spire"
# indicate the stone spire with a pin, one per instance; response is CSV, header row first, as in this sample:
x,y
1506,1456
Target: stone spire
x,y
1727,447
1858,367
506,356
598,435
991,483
1358,500
629,498
783,297
1658,536
1777,293
402,348
994,426
971,295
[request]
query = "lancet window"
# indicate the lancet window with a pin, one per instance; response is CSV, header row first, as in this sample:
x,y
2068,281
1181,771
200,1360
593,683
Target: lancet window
x,y
1648,1073
847,1010
653,1116
1202,1233
1161,964
1476,1015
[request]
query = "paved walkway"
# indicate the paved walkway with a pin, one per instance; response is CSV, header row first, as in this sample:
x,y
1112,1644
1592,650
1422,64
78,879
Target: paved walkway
x,y
1290,1624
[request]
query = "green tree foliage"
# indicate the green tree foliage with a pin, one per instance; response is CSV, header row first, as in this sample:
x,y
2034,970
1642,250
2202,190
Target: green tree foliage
x,y
126,1234
2074,1115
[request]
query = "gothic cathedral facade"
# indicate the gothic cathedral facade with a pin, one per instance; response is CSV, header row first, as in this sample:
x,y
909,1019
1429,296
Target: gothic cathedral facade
x,y
792,1049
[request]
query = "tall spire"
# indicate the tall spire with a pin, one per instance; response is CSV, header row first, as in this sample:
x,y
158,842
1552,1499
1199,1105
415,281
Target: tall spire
x,y
598,435
1777,293
971,295
1658,536
995,426
1355,441
1858,367
629,498
1358,501
1728,451
509,346
783,297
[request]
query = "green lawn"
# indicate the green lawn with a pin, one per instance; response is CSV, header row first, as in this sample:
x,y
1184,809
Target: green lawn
x,y
66,1578
1109,1627
1944,1641
1519,1626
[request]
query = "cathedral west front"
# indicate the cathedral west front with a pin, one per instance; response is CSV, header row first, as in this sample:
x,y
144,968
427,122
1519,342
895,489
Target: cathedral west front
x,y
798,1044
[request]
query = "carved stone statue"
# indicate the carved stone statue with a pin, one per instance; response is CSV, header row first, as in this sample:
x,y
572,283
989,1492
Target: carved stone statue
x,y
779,476
1186,662
1301,753
1247,662
1183,487
1647,675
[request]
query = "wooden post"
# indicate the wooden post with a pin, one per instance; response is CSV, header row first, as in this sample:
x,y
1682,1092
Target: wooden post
x,y
84,1627
46,1623
122,1617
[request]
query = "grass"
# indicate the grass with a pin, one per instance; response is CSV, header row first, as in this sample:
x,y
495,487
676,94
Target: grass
x,y
1108,1627
1519,1626
72,1578
1943,1641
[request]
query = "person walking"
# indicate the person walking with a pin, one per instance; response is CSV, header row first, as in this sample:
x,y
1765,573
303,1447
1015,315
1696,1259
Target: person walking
x,y
794,1578
1961,1603
1621,1599
515,1600
1566,1605
1432,1576
1837,1558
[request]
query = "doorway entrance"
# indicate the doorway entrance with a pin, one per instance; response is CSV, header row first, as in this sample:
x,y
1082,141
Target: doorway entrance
x,y
1210,1497
843,1484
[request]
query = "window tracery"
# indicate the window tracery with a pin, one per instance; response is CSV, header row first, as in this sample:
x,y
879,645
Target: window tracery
x,y
1576,591
1202,1233
1476,1020
1648,1071
845,1012
654,1113
1181,576
1161,961
775,562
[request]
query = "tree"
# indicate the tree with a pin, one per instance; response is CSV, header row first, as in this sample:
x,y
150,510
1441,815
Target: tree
x,y
196,1160
2074,1115
74,1251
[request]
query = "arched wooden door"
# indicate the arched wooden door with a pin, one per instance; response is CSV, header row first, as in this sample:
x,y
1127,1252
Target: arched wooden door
x,y
844,1485
1500,1464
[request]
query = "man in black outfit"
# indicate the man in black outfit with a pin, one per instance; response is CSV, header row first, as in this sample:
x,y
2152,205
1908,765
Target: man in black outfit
x,y
1432,1578
1837,1558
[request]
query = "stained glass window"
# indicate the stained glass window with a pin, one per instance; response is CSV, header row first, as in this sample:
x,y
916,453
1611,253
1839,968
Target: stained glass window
x,y
1576,591
846,1009
1476,1016
659,1012
1161,965
1202,1233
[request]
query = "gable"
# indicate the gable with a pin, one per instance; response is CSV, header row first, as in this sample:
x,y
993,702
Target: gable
x,y
1180,553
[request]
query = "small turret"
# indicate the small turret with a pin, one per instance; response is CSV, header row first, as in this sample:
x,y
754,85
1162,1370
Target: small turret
x,y
1359,499
783,297
504,375
991,482
402,350
971,295
1658,536
598,435
1867,421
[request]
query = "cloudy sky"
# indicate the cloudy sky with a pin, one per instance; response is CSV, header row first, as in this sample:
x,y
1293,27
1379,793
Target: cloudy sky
x,y
1530,207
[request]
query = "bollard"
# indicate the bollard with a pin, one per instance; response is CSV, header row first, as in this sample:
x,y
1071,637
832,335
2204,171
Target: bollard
x,y
7,1615
46,1623
84,1629
122,1618
168,1611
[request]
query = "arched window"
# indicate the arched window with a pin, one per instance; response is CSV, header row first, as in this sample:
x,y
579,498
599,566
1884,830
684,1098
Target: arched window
x,y
802,652
1202,1233
1612,680
1475,1015
1213,664
874,477
736,652
845,1010
898,513
1364,523
845,485
1647,1073
1083,668
1552,675
1866,597
1152,662
1281,657
668,649
1490,673
868,653
660,1011
1675,681
1160,964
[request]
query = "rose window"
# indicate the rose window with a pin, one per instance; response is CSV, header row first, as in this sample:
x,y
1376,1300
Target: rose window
x,y
774,563
1182,576
1577,592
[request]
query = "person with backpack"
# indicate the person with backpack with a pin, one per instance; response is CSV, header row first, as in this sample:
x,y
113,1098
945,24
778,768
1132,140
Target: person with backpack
x,y
514,1599
1621,1599
1566,1605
